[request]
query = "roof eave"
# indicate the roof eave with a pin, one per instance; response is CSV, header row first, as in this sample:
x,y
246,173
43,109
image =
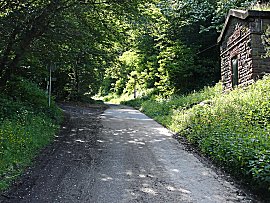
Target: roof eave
x,y
241,15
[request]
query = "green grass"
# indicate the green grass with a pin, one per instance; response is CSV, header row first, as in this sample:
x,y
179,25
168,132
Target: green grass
x,y
20,140
232,129
26,126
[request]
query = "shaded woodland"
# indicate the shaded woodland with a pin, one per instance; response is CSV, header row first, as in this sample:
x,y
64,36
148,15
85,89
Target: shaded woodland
x,y
104,46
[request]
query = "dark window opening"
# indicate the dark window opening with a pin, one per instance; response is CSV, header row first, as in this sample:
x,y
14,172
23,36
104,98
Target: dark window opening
x,y
234,71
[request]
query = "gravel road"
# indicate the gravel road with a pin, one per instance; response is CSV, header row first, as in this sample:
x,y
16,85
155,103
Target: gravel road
x,y
119,156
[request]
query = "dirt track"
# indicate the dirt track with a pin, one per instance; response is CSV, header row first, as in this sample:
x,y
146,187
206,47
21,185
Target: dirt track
x,y
119,156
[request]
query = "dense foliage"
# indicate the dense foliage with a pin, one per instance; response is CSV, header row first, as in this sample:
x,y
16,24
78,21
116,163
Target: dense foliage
x,y
77,39
113,46
174,49
232,129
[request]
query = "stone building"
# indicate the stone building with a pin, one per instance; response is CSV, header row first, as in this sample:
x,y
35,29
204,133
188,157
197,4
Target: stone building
x,y
242,51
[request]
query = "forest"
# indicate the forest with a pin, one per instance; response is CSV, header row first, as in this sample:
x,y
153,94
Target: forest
x,y
163,48
96,47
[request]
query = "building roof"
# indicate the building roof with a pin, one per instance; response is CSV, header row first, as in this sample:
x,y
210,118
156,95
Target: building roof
x,y
241,15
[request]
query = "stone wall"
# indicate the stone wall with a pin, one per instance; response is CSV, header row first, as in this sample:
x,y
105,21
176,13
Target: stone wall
x,y
241,40
236,44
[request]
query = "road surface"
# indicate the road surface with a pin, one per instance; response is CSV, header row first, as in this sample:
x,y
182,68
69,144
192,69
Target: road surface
x,y
119,156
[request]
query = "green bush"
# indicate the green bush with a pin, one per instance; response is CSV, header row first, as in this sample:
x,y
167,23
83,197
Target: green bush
x,y
233,130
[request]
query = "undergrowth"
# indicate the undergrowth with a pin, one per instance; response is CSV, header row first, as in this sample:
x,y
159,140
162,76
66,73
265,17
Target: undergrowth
x,y
26,125
232,128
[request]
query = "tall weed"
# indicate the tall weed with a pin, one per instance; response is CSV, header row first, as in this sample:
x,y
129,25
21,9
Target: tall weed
x,y
233,130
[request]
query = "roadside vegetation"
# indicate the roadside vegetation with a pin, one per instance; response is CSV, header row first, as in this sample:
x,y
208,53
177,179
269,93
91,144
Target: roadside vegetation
x,y
232,129
26,125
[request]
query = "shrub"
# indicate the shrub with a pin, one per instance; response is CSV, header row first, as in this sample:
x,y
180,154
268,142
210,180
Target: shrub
x,y
233,130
